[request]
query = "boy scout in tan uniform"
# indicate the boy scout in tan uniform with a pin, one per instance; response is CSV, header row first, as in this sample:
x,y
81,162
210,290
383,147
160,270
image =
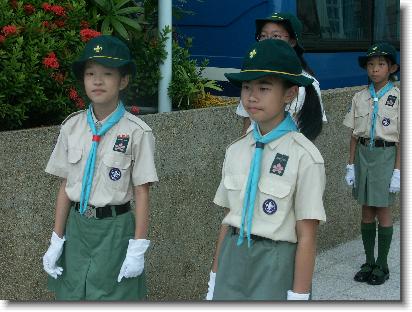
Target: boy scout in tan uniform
x,y
374,162
101,253
289,190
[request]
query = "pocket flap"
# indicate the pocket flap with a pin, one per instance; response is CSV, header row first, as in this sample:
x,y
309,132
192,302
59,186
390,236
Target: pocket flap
x,y
273,187
388,113
234,182
361,111
117,161
74,155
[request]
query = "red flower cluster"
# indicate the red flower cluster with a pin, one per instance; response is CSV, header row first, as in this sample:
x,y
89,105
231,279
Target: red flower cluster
x,y
87,34
9,30
84,24
29,9
50,61
13,4
59,77
60,23
2,38
135,110
55,9
75,97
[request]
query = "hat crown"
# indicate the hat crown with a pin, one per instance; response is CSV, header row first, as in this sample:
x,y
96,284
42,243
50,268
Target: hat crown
x,y
272,55
106,46
381,49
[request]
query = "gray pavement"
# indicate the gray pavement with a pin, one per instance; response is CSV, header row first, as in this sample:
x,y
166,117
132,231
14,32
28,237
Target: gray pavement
x,y
335,268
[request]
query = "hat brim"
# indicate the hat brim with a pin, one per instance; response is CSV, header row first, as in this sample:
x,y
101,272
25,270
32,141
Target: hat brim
x,y
362,60
78,66
237,78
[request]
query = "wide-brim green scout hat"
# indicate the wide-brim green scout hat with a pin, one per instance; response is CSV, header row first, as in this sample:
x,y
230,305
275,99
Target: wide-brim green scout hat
x,y
271,57
294,23
379,49
106,50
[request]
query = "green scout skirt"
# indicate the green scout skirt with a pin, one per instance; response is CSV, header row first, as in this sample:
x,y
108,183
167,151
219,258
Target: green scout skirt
x,y
373,173
92,256
262,272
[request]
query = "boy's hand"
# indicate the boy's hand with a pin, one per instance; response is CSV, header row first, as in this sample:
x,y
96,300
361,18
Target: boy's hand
x,y
211,283
52,255
395,186
350,174
133,264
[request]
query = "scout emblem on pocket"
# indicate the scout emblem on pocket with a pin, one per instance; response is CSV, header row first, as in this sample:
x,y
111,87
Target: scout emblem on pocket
x,y
391,100
386,122
115,174
279,164
121,143
269,206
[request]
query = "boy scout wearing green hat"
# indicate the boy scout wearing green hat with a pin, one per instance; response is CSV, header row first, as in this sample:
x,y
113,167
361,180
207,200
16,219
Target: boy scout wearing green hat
x,y
105,157
373,170
287,27
272,187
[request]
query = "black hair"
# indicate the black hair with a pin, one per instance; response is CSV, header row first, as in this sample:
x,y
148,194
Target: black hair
x,y
309,118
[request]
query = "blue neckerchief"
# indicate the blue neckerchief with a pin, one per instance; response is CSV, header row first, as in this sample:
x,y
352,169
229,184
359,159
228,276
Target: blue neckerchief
x,y
287,125
375,98
89,169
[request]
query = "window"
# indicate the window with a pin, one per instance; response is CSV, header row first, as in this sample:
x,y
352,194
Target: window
x,y
330,25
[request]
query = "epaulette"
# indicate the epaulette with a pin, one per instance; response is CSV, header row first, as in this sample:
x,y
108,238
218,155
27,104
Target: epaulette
x,y
309,147
138,121
72,115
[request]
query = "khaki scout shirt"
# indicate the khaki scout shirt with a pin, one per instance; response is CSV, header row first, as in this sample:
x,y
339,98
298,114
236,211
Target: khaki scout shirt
x,y
124,158
290,188
388,118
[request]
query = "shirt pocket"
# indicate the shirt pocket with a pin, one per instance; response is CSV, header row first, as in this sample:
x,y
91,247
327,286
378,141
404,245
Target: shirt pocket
x,y
74,158
388,121
234,184
115,172
274,200
361,118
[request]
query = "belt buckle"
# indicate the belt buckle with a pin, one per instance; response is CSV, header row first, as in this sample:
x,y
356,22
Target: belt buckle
x,y
90,212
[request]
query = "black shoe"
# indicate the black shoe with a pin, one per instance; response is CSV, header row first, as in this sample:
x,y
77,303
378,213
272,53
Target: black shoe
x,y
365,272
378,276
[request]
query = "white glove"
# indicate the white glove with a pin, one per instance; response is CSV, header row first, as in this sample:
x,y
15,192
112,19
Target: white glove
x,y
350,174
211,283
295,296
395,186
52,255
133,264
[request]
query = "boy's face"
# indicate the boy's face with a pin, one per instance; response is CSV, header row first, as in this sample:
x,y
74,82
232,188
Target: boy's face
x,y
276,31
379,70
265,99
103,84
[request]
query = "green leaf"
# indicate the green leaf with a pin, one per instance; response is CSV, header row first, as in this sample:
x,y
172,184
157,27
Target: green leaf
x,y
130,22
104,5
106,24
120,3
129,10
119,28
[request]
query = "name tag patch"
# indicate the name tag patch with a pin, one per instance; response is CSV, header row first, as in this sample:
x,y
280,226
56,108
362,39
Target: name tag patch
x,y
121,143
279,164
390,100
386,122
115,174
269,206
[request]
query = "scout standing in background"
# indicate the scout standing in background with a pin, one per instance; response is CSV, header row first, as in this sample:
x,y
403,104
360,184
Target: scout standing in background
x,y
374,159
287,27
273,180
104,156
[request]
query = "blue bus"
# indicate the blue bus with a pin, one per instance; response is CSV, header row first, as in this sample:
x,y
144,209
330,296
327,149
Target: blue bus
x,y
335,33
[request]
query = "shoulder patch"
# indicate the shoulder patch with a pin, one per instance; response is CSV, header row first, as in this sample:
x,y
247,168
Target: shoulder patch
x,y
137,121
72,115
309,147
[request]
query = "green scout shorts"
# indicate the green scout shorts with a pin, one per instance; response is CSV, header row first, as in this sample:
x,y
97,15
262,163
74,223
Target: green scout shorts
x,y
92,256
262,272
373,173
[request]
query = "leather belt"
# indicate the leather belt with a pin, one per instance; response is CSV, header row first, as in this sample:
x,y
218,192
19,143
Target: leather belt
x,y
235,231
103,212
378,143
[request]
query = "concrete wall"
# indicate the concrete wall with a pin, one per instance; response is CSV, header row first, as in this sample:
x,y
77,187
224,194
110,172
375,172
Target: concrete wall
x,y
184,221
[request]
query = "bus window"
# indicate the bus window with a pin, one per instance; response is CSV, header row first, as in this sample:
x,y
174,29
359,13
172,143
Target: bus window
x,y
387,21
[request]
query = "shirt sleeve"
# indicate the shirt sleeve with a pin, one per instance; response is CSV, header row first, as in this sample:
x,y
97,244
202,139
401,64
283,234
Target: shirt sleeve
x,y
240,110
58,162
349,120
144,169
221,196
309,190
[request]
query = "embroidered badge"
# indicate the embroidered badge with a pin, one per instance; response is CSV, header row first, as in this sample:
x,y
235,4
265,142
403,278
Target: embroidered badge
x,y
97,49
121,143
269,206
252,53
279,164
391,100
115,174
386,122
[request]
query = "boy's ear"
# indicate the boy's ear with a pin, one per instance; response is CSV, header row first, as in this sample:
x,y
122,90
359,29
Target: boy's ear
x,y
124,81
290,94
293,42
394,68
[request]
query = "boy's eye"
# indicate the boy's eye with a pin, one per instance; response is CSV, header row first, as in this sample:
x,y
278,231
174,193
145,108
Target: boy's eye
x,y
89,73
245,87
108,73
